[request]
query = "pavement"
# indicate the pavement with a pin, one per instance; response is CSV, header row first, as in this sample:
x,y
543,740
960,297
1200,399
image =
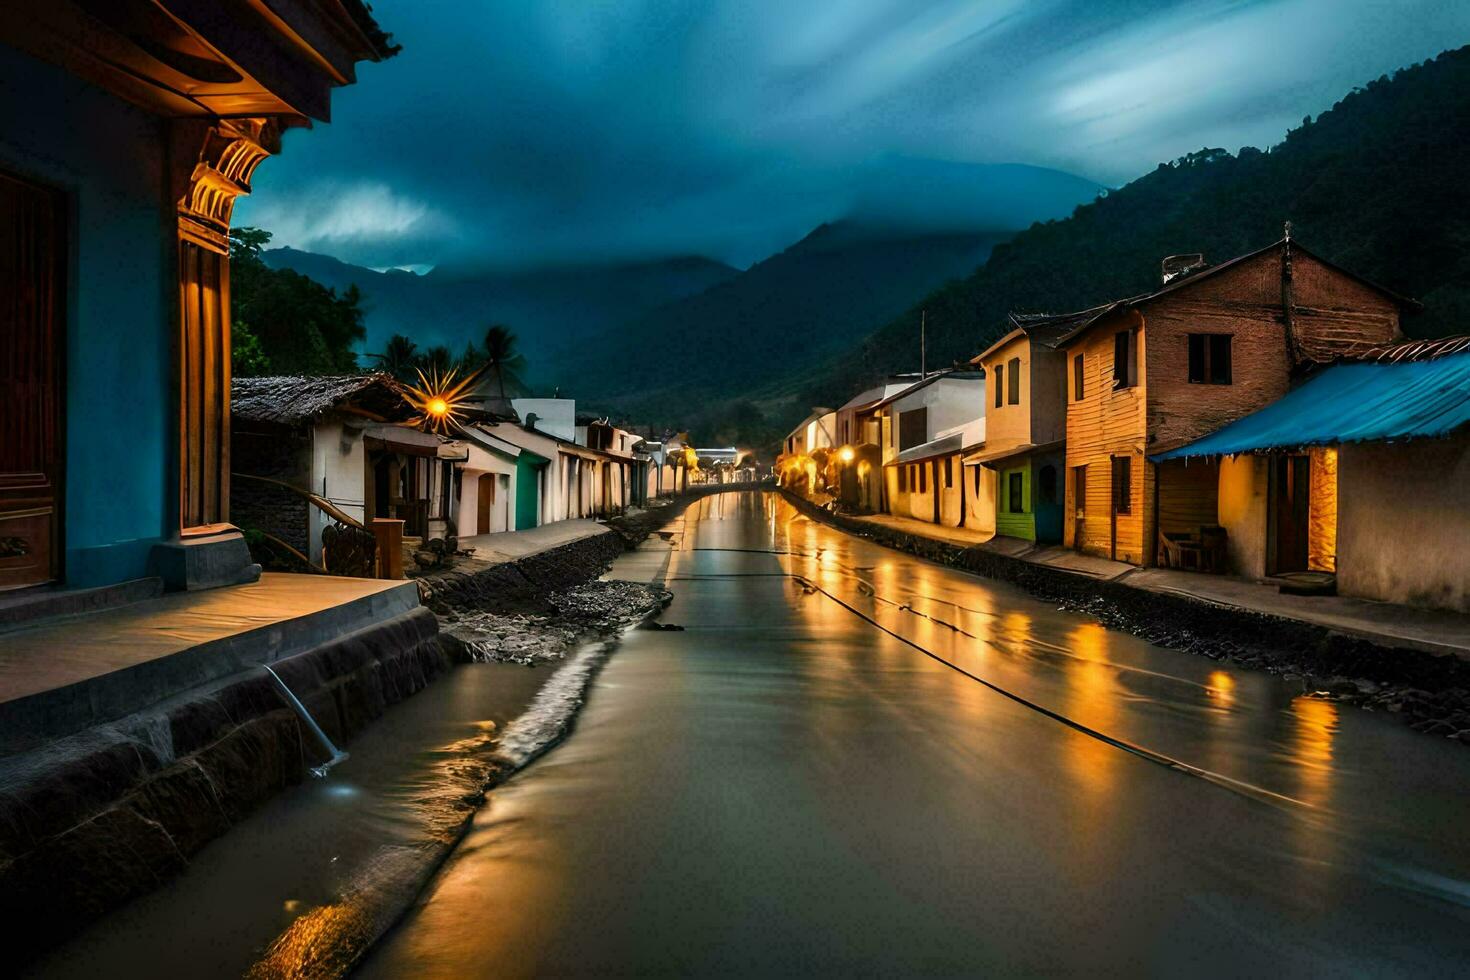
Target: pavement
x,y
504,546
62,675
1433,630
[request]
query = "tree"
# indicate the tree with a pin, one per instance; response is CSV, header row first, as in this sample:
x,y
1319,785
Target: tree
x,y
301,326
247,357
503,362
399,357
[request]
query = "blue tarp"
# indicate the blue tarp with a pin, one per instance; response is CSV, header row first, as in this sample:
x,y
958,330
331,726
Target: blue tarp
x,y
1351,403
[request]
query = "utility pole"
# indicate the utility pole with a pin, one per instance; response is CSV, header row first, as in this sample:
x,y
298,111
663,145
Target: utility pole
x,y
923,326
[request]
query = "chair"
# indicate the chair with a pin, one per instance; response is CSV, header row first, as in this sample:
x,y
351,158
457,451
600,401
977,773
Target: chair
x,y
1178,549
1212,538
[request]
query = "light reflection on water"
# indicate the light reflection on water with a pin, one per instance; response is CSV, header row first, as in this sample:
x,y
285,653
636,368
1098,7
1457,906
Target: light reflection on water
x,y
784,788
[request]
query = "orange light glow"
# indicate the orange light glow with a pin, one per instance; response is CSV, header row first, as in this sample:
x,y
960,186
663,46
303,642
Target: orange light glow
x,y
440,398
846,454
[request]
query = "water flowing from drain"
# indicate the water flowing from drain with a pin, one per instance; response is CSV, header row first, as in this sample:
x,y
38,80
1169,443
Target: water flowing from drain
x,y
334,754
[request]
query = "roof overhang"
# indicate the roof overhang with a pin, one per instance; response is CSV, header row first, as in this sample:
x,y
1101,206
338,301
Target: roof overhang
x,y
996,457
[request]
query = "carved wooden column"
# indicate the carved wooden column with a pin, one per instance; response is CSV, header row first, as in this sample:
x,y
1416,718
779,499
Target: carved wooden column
x,y
228,156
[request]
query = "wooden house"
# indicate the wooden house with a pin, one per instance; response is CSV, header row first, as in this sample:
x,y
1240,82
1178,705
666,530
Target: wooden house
x,y
1025,426
1158,370
127,131
1335,455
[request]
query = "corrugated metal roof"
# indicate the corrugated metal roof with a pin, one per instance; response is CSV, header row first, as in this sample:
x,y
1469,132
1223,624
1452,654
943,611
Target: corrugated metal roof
x,y
1376,400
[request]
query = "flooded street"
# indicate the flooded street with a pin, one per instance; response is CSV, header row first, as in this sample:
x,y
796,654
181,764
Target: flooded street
x,y
848,760
854,761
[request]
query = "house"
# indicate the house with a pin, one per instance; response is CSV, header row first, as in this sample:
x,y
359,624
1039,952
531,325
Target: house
x,y
127,131
1363,471
802,464
934,423
860,429
1153,372
502,482
1025,429
300,460
591,464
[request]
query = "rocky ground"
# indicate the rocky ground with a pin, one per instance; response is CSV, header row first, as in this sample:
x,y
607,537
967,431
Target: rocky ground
x,y
567,618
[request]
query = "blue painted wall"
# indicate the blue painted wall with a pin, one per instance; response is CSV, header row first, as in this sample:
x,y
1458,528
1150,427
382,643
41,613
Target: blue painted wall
x,y
108,157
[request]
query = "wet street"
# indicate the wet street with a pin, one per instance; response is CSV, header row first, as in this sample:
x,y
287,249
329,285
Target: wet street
x,y
853,761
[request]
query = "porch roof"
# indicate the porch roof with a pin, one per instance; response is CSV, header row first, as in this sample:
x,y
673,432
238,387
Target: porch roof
x,y
1353,402
1005,455
946,445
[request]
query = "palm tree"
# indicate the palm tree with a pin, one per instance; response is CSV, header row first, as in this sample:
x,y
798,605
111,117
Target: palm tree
x,y
436,360
502,359
399,357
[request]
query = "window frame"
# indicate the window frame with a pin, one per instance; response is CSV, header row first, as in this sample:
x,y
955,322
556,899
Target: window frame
x,y
1204,354
1015,492
1122,490
1125,368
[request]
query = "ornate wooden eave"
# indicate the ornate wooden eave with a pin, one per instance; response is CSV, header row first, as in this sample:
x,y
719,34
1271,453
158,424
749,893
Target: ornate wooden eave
x,y
231,151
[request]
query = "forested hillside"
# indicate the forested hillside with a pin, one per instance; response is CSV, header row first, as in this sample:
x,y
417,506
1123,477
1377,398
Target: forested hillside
x,y
1377,184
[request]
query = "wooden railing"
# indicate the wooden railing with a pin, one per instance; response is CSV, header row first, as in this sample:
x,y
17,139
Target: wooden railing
x,y
348,547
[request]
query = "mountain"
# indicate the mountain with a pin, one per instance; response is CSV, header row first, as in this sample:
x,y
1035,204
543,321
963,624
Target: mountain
x,y
1376,184
778,319
549,308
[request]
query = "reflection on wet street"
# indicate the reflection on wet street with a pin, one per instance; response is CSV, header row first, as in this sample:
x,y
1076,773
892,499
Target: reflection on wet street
x,y
851,760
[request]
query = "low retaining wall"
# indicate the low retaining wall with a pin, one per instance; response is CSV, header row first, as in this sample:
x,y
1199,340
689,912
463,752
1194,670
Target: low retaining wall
x,y
1430,692
90,821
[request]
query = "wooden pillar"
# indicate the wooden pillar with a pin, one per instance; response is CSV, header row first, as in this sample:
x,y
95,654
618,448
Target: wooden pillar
x,y
225,156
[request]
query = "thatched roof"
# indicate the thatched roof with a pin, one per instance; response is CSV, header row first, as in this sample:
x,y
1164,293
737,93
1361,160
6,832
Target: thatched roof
x,y
287,400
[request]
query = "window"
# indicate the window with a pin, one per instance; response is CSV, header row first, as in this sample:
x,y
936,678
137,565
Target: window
x,y
1209,358
1013,381
948,472
1122,484
923,478
1016,492
1000,376
977,480
913,428
903,479
1077,376
1125,350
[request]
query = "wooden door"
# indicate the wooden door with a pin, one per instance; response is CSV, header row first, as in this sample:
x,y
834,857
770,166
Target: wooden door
x,y
484,501
32,339
1288,504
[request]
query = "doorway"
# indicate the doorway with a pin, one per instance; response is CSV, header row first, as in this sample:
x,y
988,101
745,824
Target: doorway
x,y
1288,506
32,287
1079,507
485,502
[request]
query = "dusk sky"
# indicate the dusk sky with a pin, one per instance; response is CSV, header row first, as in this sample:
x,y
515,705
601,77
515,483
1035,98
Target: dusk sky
x,y
522,132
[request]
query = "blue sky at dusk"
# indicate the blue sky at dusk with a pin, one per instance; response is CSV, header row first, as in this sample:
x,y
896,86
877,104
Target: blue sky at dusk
x,y
524,132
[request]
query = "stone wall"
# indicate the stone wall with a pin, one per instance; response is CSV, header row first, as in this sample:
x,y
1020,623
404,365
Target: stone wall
x,y
92,821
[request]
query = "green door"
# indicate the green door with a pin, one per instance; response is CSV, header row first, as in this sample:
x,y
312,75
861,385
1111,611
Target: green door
x,y
529,468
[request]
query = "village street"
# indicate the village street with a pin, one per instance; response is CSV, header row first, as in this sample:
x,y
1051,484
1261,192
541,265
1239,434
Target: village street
x,y
853,759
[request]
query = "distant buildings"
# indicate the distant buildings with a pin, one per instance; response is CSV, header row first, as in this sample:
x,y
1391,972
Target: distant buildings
x,y
1263,417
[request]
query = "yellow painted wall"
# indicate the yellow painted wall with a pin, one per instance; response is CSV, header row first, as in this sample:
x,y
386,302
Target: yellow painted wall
x,y
1009,425
1322,511
1243,513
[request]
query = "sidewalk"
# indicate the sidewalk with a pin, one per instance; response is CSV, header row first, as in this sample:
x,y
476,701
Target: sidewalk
x,y
63,675
504,546
1431,630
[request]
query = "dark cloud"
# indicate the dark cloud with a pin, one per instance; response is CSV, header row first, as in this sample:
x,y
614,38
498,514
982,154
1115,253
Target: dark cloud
x,y
517,132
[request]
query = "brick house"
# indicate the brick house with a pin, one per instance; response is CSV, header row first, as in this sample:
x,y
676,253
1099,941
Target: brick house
x,y
1153,372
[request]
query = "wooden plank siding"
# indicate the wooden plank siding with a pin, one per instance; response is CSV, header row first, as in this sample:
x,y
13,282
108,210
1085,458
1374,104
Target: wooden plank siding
x,y
1108,422
1022,525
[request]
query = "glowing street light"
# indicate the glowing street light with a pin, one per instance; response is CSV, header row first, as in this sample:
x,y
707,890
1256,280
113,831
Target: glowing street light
x,y
846,454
